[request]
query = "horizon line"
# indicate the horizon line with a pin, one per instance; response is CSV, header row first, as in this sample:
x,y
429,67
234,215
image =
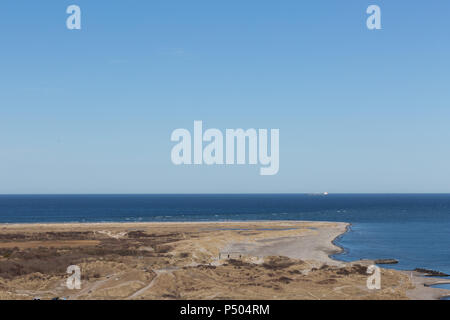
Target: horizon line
x,y
231,193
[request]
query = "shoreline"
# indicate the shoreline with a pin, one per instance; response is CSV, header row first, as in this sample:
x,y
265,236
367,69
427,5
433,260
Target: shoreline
x,y
347,229
423,283
50,224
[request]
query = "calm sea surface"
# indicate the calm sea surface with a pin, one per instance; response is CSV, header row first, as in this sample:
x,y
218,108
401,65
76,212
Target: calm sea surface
x,y
412,228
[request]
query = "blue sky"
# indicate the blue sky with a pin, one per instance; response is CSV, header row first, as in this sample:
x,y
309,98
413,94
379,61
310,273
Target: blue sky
x,y
91,111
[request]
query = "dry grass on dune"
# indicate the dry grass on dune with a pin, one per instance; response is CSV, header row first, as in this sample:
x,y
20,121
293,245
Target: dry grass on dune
x,y
175,261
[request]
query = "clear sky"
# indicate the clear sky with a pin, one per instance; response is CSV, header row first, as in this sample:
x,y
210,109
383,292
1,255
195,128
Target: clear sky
x,y
92,111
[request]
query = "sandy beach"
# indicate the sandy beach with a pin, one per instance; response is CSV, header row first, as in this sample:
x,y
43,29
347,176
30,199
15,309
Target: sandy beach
x,y
221,260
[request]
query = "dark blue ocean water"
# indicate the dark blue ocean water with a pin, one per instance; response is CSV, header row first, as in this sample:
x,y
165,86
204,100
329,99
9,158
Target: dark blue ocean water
x,y
412,228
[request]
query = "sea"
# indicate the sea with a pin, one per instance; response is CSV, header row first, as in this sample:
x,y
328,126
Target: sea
x,y
411,228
